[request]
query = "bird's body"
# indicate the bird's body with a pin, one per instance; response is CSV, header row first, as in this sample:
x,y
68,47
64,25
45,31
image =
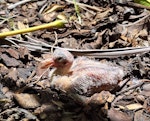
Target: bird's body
x,y
89,77
82,75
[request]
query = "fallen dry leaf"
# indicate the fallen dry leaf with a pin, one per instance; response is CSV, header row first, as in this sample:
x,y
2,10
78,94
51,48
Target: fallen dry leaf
x,y
13,53
9,61
27,100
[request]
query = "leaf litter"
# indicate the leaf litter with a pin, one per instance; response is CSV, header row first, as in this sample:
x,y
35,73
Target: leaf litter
x,y
104,25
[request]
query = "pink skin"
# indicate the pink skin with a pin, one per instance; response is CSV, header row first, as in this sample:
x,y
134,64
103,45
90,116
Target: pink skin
x,y
82,75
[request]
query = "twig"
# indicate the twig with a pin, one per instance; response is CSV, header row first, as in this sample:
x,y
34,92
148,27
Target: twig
x,y
132,87
12,42
34,48
38,78
12,6
123,83
90,11
88,6
86,51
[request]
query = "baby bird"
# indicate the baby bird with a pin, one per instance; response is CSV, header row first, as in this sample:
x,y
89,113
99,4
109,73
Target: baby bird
x,y
82,75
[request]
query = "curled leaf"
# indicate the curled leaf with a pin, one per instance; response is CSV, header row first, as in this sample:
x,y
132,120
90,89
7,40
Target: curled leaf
x,y
52,8
134,106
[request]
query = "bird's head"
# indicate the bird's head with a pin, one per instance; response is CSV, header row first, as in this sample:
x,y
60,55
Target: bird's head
x,y
61,59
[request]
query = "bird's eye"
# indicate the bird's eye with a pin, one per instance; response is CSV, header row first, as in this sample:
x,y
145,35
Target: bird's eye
x,y
59,59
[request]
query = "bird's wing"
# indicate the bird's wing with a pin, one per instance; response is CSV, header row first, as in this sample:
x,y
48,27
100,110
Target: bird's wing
x,y
95,79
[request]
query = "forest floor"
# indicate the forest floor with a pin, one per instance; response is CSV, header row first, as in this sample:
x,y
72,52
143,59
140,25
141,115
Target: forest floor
x,y
119,33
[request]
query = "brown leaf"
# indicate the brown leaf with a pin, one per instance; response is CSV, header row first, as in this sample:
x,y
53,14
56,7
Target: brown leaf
x,y
13,53
9,61
116,115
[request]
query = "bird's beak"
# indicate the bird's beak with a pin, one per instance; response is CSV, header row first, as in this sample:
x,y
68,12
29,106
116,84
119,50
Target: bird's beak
x,y
47,63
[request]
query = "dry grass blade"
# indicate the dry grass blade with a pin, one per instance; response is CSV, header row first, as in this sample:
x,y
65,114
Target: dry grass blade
x,y
109,53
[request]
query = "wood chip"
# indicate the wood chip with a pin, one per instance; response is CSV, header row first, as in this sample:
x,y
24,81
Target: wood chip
x,y
134,106
27,100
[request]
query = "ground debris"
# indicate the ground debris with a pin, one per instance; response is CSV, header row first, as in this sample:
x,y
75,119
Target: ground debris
x,y
27,101
25,90
116,115
17,114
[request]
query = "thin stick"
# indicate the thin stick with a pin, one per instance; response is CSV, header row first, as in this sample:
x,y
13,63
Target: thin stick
x,y
38,78
12,42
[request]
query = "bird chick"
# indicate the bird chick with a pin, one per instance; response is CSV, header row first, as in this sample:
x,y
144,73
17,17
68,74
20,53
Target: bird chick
x,y
82,75
61,59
